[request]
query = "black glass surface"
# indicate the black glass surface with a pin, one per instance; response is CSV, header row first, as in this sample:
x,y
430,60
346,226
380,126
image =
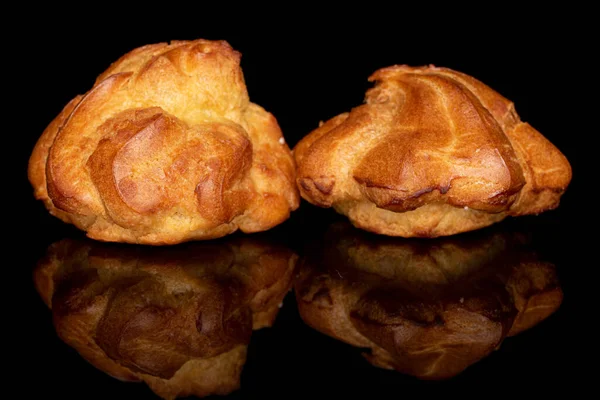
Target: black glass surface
x,y
302,80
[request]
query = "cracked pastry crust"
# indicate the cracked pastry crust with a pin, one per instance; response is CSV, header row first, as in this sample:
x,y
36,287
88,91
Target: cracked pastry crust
x,y
432,152
166,147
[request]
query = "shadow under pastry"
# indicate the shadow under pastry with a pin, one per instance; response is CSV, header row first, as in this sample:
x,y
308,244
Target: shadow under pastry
x,y
427,308
178,318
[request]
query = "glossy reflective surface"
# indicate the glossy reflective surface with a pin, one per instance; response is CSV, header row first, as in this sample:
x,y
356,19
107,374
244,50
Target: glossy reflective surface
x,y
181,318
426,308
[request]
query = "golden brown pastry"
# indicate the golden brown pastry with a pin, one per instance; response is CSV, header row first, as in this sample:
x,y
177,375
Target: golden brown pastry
x,y
179,319
426,309
433,152
166,147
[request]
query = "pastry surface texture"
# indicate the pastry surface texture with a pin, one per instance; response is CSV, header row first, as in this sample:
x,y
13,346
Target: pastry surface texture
x,y
166,147
432,152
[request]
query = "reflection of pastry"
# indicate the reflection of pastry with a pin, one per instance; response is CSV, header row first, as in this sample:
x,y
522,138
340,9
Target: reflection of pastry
x,y
433,152
166,147
179,319
428,309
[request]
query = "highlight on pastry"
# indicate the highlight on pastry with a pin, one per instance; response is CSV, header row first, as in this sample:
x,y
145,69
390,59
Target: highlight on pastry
x,y
166,147
432,152
427,309
179,318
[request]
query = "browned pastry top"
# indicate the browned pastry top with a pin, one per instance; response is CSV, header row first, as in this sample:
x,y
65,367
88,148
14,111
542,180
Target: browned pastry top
x,y
178,318
430,141
166,147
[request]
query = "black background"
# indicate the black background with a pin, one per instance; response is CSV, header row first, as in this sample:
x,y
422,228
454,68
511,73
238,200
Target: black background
x,y
304,67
